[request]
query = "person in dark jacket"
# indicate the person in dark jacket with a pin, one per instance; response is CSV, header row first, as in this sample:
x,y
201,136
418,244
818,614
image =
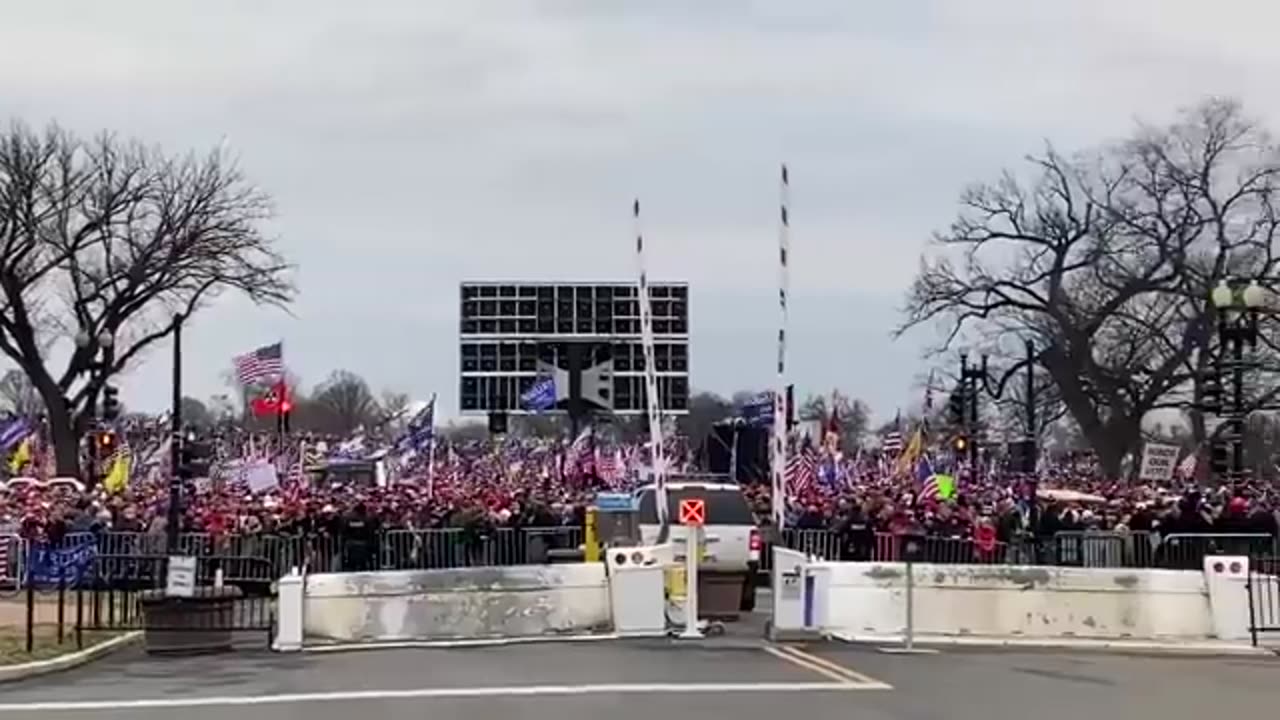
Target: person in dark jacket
x,y
359,541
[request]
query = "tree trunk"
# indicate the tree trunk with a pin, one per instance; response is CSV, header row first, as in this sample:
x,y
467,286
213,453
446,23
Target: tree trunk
x,y
63,429
1112,438
66,446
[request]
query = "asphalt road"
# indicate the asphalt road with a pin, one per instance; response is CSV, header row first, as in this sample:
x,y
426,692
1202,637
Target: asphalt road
x,y
633,680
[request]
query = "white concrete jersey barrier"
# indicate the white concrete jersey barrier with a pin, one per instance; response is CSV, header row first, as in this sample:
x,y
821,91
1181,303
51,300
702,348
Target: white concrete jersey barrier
x,y
425,605
868,599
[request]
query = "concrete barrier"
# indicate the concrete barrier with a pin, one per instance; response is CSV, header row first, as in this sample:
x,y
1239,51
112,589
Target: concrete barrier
x,y
467,603
868,599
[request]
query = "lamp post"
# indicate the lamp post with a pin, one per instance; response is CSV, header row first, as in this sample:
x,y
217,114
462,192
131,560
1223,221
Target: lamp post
x,y
99,366
105,342
1237,304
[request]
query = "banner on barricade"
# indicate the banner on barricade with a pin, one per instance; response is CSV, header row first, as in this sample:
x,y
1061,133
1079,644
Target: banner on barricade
x,y
68,567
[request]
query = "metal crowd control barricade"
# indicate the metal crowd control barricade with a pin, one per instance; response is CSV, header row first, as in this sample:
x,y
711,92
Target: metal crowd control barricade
x,y
1186,551
1101,549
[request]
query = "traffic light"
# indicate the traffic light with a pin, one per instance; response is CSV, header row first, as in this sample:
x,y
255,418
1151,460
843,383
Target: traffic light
x,y
110,402
955,407
1220,458
104,445
192,456
960,444
1211,393
1022,456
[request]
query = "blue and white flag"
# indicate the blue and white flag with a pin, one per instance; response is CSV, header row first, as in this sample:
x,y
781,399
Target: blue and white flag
x,y
48,567
13,433
421,427
541,396
758,410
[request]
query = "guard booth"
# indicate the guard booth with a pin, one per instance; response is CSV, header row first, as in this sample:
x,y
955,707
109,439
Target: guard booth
x,y
613,521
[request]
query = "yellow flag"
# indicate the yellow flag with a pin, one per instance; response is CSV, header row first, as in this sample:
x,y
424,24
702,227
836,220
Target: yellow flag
x,y
21,457
117,478
910,454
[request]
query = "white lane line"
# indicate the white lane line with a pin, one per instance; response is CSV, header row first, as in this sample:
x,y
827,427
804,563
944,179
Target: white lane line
x,y
428,693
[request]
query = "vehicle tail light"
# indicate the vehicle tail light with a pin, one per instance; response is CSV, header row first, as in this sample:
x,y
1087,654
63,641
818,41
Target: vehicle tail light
x,y
756,544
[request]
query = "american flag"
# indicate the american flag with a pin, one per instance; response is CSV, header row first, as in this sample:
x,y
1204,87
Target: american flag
x,y
892,442
264,364
610,467
1187,468
5,574
802,470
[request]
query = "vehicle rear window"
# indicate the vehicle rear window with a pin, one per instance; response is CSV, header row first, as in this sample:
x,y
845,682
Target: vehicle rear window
x,y
724,507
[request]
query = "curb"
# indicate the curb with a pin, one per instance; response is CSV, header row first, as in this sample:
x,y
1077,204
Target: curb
x,y
1202,648
13,673
448,644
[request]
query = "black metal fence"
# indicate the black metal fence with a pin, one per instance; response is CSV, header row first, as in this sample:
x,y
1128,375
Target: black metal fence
x,y
110,595
1264,596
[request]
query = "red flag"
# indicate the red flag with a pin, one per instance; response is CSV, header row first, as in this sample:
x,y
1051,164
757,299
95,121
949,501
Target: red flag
x,y
275,401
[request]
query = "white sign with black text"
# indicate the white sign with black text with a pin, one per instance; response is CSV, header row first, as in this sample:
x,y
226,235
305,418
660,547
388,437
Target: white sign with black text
x,y
180,580
1158,462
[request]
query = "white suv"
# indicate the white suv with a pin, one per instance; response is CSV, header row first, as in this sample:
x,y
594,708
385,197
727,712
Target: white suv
x,y
733,541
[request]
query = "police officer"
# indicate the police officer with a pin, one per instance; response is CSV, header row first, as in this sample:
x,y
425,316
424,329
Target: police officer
x,y
359,540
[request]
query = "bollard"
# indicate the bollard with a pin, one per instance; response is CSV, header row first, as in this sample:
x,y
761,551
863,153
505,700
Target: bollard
x,y
912,549
908,635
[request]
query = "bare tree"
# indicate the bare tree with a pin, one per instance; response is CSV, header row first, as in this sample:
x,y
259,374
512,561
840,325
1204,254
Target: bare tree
x,y
344,402
109,238
1106,262
393,411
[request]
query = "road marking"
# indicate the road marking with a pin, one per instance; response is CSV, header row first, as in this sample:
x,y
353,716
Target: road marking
x,y
427,694
825,667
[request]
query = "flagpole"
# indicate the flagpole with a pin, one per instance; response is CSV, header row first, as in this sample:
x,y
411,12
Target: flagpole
x,y
780,392
652,400
431,452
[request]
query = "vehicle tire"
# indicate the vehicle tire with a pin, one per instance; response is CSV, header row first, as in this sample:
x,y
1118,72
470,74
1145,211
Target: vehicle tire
x,y
748,602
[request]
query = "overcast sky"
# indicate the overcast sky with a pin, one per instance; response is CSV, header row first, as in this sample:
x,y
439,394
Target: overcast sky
x,y
411,145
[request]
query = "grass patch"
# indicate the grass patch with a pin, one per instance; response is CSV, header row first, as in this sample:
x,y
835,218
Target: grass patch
x,y
13,643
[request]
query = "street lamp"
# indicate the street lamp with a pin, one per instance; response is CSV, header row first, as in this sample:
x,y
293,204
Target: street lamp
x,y
1238,304
105,340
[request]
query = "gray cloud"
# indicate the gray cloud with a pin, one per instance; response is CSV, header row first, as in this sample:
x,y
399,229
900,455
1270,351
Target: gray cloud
x,y
412,145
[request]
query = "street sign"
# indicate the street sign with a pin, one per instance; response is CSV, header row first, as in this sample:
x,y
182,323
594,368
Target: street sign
x,y
180,579
614,502
693,512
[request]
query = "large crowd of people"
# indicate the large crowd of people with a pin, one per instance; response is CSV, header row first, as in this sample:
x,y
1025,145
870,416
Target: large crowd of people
x,y
521,483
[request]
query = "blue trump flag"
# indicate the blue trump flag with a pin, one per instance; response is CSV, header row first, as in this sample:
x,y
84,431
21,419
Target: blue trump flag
x,y
68,567
540,396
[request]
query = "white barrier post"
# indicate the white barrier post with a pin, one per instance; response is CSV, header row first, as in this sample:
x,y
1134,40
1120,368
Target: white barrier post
x,y
910,631
289,608
692,549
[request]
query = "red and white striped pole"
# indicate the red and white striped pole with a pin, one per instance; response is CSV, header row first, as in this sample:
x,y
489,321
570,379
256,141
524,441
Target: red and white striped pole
x,y
653,405
779,455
